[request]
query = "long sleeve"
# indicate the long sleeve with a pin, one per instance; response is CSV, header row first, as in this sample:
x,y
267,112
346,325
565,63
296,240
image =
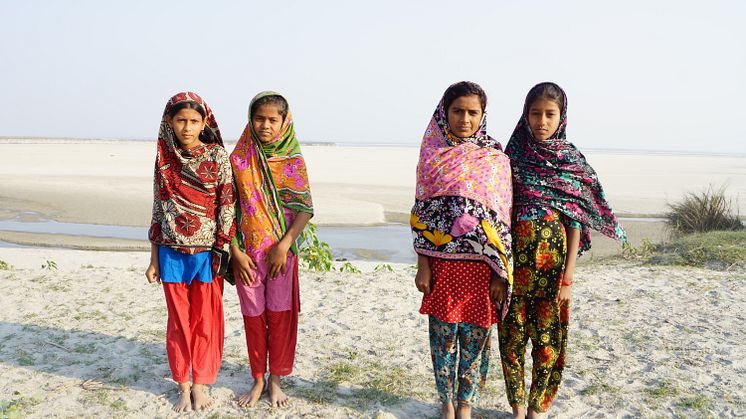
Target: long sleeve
x,y
226,198
155,233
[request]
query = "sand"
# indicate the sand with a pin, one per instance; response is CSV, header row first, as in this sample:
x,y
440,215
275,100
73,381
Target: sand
x,y
87,340
110,182
82,333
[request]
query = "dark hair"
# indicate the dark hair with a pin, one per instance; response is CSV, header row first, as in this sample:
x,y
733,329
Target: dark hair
x,y
206,136
464,88
187,104
547,90
277,100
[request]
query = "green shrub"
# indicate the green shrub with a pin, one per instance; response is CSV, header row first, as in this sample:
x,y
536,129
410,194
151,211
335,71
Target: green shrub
x,y
49,265
349,267
314,253
4,266
709,210
715,250
383,267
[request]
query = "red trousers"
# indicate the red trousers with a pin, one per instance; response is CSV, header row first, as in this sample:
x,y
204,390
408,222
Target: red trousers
x,y
273,335
195,329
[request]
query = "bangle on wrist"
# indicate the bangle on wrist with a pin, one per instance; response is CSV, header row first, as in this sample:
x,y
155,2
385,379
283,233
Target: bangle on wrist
x,y
566,283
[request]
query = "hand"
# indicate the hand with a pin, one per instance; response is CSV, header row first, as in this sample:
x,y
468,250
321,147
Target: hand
x,y
424,279
498,289
277,258
153,273
564,295
243,266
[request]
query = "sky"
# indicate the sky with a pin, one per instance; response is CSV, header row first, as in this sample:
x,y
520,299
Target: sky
x,y
639,74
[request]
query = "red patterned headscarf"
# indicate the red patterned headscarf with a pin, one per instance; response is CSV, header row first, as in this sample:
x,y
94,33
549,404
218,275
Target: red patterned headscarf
x,y
193,203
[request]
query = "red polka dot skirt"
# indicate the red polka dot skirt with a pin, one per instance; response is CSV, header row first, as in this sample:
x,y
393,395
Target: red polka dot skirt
x,y
461,293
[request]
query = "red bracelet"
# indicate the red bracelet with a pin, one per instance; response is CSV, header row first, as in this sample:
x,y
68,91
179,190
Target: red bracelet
x,y
566,284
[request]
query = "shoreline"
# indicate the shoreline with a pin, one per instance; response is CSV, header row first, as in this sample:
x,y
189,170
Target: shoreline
x,y
637,230
109,183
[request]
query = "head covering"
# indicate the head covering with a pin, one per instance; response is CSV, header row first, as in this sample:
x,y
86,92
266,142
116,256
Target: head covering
x,y
187,182
269,177
555,173
463,197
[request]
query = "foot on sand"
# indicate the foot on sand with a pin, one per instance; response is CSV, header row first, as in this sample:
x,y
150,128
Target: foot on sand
x,y
250,398
463,411
184,404
532,414
276,396
201,401
519,412
448,411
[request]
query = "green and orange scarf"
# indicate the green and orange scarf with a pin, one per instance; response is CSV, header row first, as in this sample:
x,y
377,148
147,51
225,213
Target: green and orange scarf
x,y
269,177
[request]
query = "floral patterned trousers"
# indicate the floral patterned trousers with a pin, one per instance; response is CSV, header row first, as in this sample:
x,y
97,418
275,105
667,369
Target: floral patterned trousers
x,y
534,313
470,346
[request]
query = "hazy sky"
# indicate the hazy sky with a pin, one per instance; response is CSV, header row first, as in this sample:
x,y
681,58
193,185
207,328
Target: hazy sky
x,y
644,74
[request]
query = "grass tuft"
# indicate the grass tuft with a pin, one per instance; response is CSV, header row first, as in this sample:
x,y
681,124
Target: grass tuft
x,y
719,250
705,211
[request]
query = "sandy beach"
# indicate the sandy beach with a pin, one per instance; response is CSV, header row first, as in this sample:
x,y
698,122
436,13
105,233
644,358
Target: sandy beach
x,y
87,340
110,183
82,333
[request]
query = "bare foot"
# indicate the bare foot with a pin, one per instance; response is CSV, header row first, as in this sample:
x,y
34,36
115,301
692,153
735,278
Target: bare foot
x,y
448,411
201,401
276,396
519,412
532,414
250,398
463,411
184,404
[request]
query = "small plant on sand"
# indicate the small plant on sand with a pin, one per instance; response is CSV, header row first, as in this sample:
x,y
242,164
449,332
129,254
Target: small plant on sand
x,y
49,265
599,388
699,402
662,389
708,210
383,267
720,250
349,268
314,253
4,266
644,251
17,408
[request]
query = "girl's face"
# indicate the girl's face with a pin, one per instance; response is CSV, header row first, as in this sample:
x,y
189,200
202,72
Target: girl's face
x,y
267,122
187,124
544,118
464,115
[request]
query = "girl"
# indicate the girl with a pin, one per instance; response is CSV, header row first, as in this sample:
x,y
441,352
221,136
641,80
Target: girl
x,y
557,198
193,211
461,227
275,205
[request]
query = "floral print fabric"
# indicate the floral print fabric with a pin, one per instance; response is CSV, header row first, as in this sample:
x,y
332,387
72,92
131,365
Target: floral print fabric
x,y
463,198
545,322
193,202
461,359
555,174
269,177
540,250
540,247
